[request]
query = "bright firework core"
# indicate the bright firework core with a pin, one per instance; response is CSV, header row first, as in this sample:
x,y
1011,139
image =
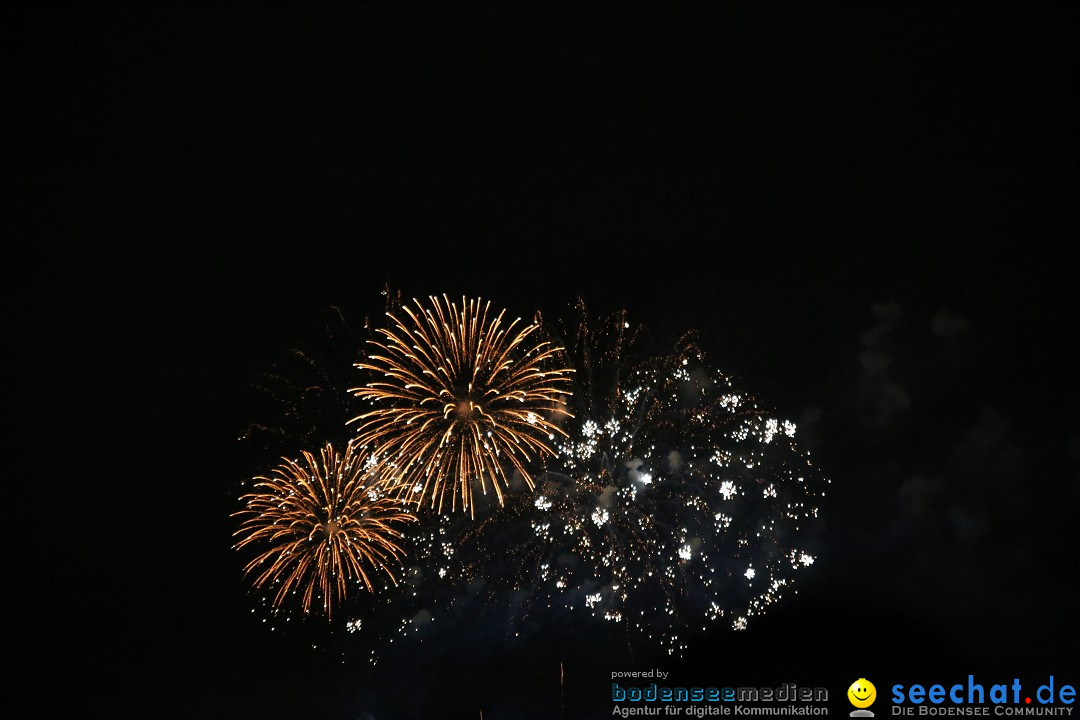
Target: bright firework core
x,y
465,409
459,400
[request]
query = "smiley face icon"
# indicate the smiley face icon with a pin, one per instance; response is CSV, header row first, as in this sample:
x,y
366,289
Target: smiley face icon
x,y
862,693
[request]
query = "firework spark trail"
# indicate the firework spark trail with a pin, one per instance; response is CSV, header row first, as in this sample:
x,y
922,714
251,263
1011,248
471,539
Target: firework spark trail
x,y
321,525
302,395
562,690
458,399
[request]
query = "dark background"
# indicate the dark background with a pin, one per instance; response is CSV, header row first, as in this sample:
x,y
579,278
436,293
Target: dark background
x,y
867,213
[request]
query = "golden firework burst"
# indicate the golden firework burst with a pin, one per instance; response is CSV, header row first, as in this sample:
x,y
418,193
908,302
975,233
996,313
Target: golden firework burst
x,y
460,399
322,526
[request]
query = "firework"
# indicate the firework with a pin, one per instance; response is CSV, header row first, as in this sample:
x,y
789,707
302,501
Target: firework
x,y
666,499
321,527
676,500
459,399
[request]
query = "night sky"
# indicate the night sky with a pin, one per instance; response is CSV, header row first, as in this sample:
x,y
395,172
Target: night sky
x,y
866,214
